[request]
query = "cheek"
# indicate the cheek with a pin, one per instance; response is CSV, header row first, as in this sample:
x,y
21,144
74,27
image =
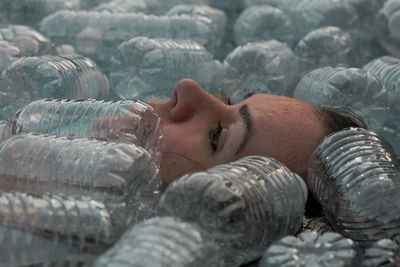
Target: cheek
x,y
174,165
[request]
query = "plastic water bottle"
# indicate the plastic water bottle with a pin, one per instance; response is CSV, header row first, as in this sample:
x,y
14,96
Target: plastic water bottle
x,y
385,252
388,20
344,88
328,46
69,76
317,224
263,22
260,67
162,241
312,249
244,205
149,68
106,171
97,34
355,177
29,41
8,54
122,6
387,69
78,225
126,120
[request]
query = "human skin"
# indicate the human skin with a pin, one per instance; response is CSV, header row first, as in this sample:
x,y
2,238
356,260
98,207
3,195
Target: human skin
x,y
280,127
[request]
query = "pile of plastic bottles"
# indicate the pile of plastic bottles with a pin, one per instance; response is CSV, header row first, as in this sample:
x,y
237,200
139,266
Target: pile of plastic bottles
x,y
79,153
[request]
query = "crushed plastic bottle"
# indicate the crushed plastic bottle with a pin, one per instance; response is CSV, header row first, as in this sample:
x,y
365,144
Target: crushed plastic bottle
x,y
97,34
32,78
148,68
162,241
73,225
317,224
261,67
346,88
354,176
8,54
387,69
328,46
123,6
126,120
244,205
105,171
312,249
385,252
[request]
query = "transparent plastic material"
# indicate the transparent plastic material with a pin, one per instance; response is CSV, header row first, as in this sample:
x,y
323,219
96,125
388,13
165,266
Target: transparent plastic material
x,y
355,177
162,241
4,131
67,226
261,67
105,171
8,54
328,46
32,78
388,20
123,6
166,5
126,120
97,34
311,249
385,252
346,88
318,224
148,68
387,69
244,205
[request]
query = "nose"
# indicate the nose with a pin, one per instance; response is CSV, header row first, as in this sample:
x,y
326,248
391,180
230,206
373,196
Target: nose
x,y
190,98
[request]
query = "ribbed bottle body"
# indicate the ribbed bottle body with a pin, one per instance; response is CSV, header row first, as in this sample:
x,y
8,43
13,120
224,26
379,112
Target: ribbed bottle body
x,y
162,241
385,252
244,205
355,177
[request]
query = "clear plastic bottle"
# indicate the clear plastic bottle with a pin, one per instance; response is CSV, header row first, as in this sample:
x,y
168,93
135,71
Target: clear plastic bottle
x,y
147,68
385,252
162,241
244,205
312,249
387,69
69,76
388,20
97,34
260,67
8,54
106,171
328,46
354,176
80,226
346,88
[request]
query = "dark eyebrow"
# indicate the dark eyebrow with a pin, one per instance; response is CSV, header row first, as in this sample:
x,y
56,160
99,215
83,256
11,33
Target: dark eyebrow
x,y
248,121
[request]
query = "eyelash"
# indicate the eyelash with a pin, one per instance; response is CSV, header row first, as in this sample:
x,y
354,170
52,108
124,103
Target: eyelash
x,y
213,136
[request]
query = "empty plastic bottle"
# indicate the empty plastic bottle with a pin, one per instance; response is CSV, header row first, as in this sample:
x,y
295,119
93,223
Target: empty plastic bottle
x,y
244,205
122,6
106,171
312,249
162,241
84,224
151,67
69,76
318,224
260,67
344,88
387,69
388,20
29,41
385,252
355,177
8,54
97,34
328,46
126,120
260,23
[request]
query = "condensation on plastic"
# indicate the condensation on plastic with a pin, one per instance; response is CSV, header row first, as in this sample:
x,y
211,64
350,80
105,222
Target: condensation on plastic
x,y
244,205
163,241
261,67
148,68
64,225
105,171
385,252
355,177
312,249
346,88
125,120
318,224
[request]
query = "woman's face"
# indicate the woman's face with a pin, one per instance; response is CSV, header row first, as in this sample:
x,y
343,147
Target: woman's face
x,y
201,131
